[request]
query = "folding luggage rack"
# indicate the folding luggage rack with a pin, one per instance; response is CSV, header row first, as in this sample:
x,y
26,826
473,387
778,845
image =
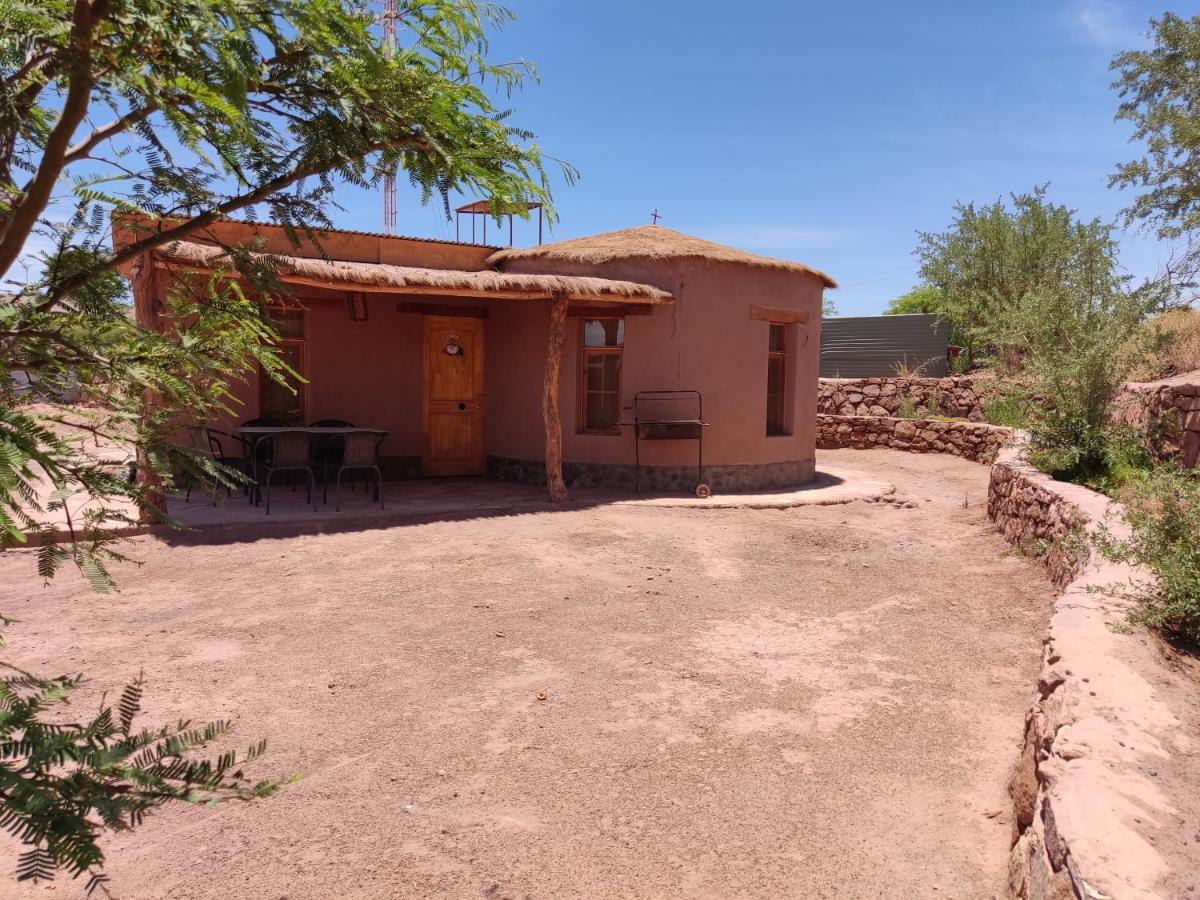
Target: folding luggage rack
x,y
650,423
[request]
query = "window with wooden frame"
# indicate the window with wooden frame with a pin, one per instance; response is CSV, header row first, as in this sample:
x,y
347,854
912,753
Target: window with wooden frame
x,y
601,344
777,379
277,402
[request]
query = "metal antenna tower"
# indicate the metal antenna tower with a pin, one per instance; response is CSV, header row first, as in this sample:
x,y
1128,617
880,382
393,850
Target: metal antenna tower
x,y
390,14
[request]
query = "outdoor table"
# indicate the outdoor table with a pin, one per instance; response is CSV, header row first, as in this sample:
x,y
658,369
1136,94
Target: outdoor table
x,y
256,433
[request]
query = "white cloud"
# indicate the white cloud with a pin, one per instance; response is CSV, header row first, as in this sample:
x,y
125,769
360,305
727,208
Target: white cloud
x,y
1108,23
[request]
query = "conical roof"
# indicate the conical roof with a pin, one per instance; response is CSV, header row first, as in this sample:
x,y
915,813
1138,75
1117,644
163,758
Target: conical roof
x,y
648,242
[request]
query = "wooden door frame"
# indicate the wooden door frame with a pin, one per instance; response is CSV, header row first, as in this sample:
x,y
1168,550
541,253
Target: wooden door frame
x,y
471,320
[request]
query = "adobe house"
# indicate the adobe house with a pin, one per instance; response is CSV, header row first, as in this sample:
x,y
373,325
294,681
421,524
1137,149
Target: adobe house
x,y
524,363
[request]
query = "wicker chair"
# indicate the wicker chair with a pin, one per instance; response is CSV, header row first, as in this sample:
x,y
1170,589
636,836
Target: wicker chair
x,y
360,453
291,451
209,440
327,451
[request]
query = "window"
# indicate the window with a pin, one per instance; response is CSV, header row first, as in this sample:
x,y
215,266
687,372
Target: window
x,y
776,380
602,343
275,401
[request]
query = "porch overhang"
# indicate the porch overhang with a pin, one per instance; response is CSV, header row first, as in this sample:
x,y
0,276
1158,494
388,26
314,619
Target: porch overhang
x,y
382,278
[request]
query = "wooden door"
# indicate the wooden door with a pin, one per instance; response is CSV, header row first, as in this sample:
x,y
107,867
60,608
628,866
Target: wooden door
x,y
452,398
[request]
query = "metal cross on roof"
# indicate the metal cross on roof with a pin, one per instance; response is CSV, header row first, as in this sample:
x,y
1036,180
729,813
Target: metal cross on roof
x,y
655,216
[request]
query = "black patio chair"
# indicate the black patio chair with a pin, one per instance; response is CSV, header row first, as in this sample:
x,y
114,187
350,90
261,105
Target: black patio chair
x,y
258,454
327,450
291,451
360,453
209,439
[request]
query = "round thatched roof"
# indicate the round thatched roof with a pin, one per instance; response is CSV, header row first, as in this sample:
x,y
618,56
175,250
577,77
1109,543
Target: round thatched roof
x,y
648,242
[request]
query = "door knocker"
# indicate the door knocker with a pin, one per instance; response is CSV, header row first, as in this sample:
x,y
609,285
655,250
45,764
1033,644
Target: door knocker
x,y
452,346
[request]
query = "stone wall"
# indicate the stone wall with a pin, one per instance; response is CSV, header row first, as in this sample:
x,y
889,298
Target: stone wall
x,y
970,440
655,479
1089,805
1168,411
956,395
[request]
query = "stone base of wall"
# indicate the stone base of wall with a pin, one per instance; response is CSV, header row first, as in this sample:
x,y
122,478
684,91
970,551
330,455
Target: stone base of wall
x,y
400,468
666,479
1168,411
1088,806
955,395
970,440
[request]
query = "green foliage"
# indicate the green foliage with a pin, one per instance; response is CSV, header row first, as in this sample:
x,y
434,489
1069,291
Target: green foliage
x,y
828,307
998,264
1160,93
66,782
923,298
1162,512
907,408
168,115
1009,409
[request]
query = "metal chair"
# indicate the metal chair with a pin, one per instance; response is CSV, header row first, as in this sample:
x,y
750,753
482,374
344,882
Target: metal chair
x,y
258,454
360,453
208,440
327,451
291,451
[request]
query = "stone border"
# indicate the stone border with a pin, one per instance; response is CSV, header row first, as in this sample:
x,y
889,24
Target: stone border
x,y
976,441
674,479
1168,411
954,395
1085,813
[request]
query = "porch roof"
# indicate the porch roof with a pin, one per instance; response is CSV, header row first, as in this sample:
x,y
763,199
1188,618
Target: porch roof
x,y
384,278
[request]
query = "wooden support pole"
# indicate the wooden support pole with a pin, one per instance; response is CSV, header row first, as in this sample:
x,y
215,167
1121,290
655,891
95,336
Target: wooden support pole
x,y
147,306
554,360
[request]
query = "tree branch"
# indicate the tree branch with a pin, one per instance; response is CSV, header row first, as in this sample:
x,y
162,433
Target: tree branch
x,y
104,132
204,219
15,229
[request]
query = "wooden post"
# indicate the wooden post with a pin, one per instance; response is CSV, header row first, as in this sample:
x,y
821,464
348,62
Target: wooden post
x,y
147,307
554,359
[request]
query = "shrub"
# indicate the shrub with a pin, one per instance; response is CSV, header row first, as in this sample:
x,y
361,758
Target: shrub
x,y
1006,409
1174,338
1162,510
907,408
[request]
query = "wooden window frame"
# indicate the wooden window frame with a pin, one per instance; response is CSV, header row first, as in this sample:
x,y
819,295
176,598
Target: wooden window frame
x,y
585,353
302,344
784,430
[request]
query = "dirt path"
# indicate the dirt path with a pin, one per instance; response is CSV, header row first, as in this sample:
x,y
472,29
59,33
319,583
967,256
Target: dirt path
x,y
817,702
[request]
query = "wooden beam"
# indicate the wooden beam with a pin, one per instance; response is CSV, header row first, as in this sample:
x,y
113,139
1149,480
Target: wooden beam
x,y
600,311
781,316
554,359
148,312
443,309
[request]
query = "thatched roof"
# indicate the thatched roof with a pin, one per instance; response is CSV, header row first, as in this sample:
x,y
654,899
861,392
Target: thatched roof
x,y
369,277
648,242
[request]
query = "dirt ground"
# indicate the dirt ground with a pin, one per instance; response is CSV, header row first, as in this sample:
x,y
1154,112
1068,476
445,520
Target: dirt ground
x,y
812,702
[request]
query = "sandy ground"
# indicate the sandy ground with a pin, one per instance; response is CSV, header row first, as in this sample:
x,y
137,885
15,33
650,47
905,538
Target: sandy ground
x,y
812,702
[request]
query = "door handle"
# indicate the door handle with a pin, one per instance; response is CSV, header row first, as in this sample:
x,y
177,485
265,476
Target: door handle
x,y
462,407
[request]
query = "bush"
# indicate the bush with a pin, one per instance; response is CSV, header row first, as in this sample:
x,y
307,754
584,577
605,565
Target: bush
x,y
1162,510
1005,409
1174,337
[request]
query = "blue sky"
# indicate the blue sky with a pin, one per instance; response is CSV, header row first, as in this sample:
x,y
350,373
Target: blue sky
x,y
823,132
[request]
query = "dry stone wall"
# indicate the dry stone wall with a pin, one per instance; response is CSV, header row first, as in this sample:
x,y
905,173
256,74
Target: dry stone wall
x,y
1088,807
970,440
956,395
1168,411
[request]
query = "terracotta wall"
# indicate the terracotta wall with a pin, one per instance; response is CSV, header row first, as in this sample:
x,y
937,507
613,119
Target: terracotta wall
x,y
705,341
370,372
351,246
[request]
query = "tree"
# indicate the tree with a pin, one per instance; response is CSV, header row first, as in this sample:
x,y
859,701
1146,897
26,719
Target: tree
x,y
1160,93
994,260
923,298
828,307
179,113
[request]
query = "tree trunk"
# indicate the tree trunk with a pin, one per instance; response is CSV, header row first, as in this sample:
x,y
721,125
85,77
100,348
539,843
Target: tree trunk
x,y
554,358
